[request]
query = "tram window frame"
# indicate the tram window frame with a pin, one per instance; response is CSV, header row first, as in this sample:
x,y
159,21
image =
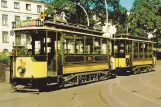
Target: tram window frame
x,y
79,45
121,49
128,45
135,49
141,50
97,46
105,46
115,48
146,50
89,45
150,50
22,43
69,44
42,43
154,49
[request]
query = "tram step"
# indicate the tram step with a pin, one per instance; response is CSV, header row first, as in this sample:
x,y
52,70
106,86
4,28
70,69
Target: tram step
x,y
52,84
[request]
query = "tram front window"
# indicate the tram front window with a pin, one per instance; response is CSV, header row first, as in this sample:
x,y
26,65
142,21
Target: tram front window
x,y
22,45
27,44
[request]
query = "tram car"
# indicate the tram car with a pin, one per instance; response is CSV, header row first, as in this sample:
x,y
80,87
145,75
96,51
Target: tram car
x,y
52,53
134,54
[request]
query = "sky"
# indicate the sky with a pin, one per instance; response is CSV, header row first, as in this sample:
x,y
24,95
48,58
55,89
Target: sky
x,y
127,3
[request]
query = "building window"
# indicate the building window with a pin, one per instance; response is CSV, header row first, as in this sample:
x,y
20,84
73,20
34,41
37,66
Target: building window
x,y
5,37
39,8
4,19
17,18
28,18
28,7
16,5
4,3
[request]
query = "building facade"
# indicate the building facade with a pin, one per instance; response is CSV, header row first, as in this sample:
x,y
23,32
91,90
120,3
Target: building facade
x,y
15,10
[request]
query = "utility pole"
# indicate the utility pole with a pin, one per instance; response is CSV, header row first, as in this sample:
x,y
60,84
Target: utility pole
x,y
106,11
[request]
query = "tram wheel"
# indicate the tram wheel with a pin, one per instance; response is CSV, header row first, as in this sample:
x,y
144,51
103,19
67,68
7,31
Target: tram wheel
x,y
138,71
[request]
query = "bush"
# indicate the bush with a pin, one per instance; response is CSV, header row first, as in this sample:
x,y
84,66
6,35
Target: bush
x,y
4,59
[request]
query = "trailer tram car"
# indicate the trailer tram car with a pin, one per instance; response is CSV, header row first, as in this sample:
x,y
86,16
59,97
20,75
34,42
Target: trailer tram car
x,y
58,54
132,53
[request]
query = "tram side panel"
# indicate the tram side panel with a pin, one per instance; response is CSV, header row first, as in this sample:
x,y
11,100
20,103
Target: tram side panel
x,y
143,57
87,54
132,55
141,62
88,59
84,65
142,54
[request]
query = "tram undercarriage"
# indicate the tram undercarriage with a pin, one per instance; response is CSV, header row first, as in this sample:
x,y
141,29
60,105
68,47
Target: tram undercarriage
x,y
62,81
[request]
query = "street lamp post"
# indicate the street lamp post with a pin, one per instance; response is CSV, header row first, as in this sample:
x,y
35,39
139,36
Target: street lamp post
x,y
128,24
106,11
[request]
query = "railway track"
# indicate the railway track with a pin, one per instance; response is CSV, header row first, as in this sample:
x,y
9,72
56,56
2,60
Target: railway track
x,y
97,92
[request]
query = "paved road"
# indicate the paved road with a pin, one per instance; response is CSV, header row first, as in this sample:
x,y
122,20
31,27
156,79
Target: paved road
x,y
143,90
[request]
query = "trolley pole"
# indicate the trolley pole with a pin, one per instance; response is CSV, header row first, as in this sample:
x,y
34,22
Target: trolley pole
x,y
84,12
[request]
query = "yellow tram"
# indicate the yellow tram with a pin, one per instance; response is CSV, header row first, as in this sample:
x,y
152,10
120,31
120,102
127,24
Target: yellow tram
x,y
51,53
132,53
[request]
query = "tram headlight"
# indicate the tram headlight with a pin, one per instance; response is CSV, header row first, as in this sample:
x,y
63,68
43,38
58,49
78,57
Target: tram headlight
x,y
21,69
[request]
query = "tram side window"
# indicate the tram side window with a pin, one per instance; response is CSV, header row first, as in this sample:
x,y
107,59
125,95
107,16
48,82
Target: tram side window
x,y
135,47
150,50
97,46
128,47
116,49
58,46
146,50
79,42
104,47
141,47
89,45
69,45
154,50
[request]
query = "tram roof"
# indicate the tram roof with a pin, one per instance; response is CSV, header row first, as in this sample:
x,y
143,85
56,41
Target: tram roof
x,y
131,37
52,26
52,29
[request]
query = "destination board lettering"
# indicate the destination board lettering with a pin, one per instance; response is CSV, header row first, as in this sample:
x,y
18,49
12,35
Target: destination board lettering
x,y
27,23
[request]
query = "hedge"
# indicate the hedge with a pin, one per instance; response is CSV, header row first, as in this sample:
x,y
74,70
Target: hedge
x,y
4,59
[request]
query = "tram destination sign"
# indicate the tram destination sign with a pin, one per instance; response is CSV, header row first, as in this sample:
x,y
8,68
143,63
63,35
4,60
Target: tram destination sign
x,y
27,23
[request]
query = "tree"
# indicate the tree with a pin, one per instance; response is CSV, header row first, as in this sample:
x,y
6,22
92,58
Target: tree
x,y
145,17
122,21
57,6
117,13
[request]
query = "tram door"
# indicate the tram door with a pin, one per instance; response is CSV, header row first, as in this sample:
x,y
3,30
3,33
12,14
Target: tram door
x,y
52,53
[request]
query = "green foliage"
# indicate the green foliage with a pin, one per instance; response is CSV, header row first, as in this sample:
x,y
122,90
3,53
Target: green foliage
x,y
4,59
59,6
159,43
145,17
117,13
